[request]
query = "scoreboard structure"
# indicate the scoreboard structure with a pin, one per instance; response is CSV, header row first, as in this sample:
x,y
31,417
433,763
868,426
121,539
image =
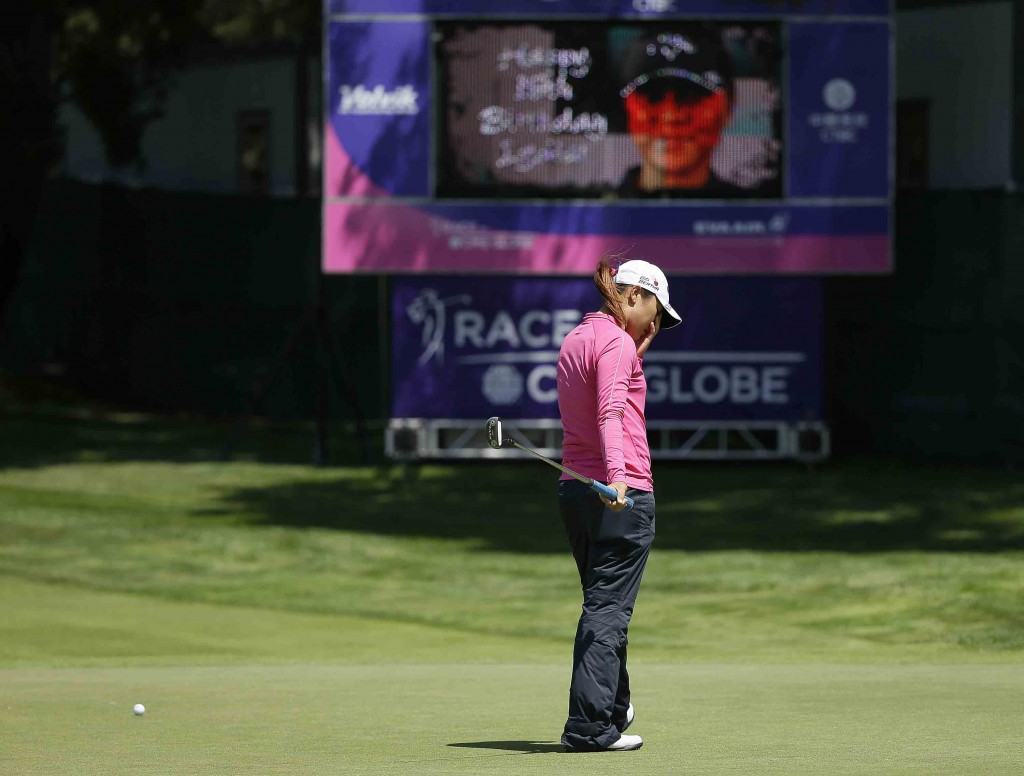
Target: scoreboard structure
x,y
742,137
483,158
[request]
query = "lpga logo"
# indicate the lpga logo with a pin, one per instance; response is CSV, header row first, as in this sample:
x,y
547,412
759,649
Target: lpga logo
x,y
429,310
512,356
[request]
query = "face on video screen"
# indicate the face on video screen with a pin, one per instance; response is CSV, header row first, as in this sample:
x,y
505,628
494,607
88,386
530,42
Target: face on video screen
x,y
689,109
676,138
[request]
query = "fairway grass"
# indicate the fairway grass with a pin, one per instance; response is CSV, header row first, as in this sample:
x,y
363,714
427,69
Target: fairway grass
x,y
428,548
274,618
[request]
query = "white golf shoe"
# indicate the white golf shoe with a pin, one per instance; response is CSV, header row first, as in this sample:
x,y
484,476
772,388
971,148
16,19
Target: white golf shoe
x,y
626,744
629,718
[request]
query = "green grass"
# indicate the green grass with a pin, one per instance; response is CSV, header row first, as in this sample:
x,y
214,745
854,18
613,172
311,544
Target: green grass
x,y
862,617
501,719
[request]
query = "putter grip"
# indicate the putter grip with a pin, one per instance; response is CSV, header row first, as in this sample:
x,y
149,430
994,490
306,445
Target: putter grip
x,y
610,494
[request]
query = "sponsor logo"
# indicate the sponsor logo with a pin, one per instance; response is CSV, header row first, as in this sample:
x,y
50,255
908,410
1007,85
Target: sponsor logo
x,y
776,225
654,6
468,235
839,124
360,101
502,385
652,283
429,311
839,94
529,345
739,379
510,358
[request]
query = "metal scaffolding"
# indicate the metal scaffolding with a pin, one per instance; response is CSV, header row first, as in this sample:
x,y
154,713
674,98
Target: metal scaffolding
x,y
409,439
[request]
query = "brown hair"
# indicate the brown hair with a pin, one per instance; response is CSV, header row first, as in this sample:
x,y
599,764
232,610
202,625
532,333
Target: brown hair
x,y
611,291
604,279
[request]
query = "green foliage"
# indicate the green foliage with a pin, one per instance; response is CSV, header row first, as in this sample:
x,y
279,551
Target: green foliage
x,y
249,21
115,59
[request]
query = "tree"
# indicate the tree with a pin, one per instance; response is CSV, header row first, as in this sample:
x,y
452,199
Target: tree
x,y
249,21
298,22
115,59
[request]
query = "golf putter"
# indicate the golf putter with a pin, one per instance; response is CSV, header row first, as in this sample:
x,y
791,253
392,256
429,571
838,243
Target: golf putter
x,y
497,440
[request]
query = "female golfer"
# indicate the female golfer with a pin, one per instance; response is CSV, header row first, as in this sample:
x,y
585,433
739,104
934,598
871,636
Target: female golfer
x,y
601,392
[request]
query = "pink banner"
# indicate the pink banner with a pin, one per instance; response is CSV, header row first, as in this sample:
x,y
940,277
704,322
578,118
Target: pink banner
x,y
371,231
397,238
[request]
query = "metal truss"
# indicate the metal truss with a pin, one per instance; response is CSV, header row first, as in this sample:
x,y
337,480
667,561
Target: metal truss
x,y
408,439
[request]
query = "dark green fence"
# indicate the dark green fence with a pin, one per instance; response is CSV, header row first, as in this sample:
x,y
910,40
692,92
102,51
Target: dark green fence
x,y
187,302
929,362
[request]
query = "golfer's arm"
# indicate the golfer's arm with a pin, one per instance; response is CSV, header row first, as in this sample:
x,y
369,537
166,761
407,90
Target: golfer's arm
x,y
612,389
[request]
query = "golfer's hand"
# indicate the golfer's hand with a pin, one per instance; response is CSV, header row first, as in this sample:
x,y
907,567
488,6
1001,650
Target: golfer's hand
x,y
620,502
645,341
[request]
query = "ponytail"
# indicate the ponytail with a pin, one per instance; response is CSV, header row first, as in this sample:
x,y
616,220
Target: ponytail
x,y
604,279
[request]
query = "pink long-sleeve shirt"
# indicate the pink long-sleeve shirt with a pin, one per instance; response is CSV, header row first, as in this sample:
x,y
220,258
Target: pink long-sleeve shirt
x,y
601,397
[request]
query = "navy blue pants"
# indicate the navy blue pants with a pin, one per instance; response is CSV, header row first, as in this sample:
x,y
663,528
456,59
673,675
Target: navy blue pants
x,y
611,550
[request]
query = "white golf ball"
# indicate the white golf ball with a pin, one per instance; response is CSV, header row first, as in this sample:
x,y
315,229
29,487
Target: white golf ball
x,y
139,709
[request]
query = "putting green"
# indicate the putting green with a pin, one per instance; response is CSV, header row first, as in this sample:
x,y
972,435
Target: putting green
x,y
239,691
482,719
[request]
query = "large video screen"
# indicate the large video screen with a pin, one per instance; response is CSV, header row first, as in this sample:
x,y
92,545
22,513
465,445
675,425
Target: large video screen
x,y
744,137
569,109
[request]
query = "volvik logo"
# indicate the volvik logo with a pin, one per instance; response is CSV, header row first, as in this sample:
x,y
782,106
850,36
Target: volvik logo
x,y
360,101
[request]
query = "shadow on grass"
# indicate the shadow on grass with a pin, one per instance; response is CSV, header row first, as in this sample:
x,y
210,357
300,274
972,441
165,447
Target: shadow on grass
x,y
526,747
57,435
845,507
510,505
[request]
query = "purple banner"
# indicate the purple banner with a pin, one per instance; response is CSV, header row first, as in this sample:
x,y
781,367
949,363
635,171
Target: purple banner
x,y
611,8
465,348
839,115
379,101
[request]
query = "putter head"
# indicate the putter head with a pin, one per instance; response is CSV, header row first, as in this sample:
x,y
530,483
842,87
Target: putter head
x,y
494,438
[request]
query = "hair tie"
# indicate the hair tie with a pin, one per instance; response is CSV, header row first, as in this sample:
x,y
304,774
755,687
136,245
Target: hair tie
x,y
614,270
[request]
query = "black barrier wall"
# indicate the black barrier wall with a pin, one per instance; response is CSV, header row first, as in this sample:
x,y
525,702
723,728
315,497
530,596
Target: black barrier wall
x,y
930,361
185,302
